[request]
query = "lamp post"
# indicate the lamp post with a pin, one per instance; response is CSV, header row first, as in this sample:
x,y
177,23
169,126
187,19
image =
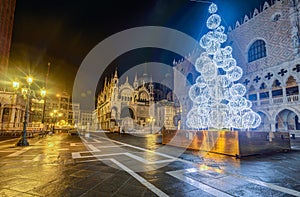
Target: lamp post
x,y
43,95
26,92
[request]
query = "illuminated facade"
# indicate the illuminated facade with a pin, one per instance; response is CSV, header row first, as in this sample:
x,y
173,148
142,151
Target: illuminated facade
x,y
132,107
266,45
12,111
7,10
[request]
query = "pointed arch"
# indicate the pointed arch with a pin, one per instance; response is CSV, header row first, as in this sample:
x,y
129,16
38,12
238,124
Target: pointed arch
x,y
265,121
127,112
291,81
274,115
285,118
292,87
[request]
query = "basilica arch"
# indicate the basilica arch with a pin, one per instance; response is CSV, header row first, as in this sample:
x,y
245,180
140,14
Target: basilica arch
x,y
127,112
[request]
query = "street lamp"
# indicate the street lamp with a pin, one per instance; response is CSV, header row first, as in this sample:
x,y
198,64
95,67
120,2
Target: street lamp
x,y
54,115
26,92
151,120
43,95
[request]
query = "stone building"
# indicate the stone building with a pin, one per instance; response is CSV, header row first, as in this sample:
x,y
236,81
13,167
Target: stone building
x,y
7,11
132,107
266,44
12,111
267,47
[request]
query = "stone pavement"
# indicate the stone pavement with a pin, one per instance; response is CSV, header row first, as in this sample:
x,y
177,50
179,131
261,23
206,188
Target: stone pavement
x,y
127,165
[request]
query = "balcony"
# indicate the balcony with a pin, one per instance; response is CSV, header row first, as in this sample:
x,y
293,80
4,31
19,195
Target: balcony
x,y
276,101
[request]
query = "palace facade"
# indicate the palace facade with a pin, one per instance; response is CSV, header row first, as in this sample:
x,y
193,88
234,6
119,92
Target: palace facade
x,y
266,44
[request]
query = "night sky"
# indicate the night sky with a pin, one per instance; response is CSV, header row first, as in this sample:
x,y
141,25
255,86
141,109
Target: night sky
x,y
63,31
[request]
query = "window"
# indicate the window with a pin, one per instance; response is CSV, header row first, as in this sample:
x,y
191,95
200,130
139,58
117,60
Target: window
x,y
264,95
257,50
252,97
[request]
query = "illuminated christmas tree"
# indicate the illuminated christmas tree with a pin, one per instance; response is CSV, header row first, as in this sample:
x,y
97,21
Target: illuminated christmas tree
x,y
218,99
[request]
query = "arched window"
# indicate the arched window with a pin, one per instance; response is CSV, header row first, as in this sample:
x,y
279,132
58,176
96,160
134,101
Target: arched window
x,y
257,50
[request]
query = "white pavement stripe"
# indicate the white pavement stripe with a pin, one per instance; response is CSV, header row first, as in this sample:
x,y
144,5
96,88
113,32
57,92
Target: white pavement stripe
x,y
140,159
206,188
8,140
261,183
6,151
39,157
112,146
97,140
63,149
140,179
269,185
93,148
76,155
38,142
143,149
76,144
19,152
84,140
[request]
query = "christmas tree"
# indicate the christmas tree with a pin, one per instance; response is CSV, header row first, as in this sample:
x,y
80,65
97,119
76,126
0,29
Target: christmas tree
x,y
218,99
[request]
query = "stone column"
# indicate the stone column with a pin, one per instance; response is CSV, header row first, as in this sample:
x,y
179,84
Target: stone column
x,y
284,94
270,96
298,93
17,118
1,117
258,98
273,126
12,116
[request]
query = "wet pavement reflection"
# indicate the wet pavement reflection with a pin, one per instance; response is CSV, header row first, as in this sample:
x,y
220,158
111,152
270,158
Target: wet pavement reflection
x,y
116,164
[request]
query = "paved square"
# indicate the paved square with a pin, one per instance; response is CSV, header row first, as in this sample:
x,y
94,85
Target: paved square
x,y
126,165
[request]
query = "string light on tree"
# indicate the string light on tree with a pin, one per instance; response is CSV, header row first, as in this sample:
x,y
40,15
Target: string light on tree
x,y
218,99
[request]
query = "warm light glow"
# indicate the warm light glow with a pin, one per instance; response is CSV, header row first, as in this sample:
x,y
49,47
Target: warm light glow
x,y
16,85
43,92
57,95
29,80
24,91
151,119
